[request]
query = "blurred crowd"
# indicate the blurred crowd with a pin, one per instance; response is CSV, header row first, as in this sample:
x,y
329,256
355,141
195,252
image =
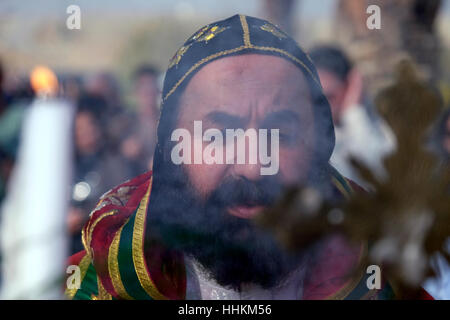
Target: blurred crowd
x,y
112,141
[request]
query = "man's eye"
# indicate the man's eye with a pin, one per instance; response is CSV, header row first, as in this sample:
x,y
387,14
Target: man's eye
x,y
286,137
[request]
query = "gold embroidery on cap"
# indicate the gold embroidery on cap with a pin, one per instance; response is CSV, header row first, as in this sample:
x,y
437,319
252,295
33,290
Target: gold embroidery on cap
x,y
198,34
231,51
211,33
177,57
205,34
270,28
245,30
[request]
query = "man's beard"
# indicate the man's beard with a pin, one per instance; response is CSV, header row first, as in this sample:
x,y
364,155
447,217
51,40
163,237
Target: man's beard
x,y
234,251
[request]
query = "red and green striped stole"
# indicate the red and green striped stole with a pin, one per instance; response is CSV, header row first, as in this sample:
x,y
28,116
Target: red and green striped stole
x,y
115,262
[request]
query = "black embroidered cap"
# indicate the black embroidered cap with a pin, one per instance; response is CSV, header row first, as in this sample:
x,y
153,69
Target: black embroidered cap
x,y
238,34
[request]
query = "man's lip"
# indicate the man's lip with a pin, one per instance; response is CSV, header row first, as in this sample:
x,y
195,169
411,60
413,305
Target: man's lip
x,y
245,212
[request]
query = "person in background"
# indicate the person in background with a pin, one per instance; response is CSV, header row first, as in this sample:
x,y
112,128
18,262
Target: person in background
x,y
105,85
96,169
15,96
138,146
71,87
409,30
115,118
360,133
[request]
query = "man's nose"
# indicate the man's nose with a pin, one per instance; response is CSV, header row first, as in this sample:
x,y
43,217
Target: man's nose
x,y
250,172
248,167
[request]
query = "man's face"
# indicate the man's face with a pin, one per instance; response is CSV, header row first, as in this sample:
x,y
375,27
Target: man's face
x,y
204,210
335,90
243,92
87,133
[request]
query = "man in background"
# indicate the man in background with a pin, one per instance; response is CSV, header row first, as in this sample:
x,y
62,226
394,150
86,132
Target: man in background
x,y
138,145
96,169
408,30
360,133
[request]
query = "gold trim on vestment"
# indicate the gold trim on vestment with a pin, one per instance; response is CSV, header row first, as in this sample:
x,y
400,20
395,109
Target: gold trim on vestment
x,y
113,266
353,282
102,293
84,266
340,187
91,228
138,249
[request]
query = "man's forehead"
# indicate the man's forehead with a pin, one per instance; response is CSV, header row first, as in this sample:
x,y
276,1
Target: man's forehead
x,y
258,66
251,75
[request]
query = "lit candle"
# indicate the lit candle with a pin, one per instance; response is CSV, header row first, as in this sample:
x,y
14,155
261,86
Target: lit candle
x,y
33,230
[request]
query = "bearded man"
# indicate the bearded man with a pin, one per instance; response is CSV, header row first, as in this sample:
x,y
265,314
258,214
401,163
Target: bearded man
x,y
187,231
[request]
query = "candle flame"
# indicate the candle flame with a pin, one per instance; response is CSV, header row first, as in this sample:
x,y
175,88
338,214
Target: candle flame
x,y
43,81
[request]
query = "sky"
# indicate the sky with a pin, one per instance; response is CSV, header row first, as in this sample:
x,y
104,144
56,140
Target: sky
x,y
309,9
312,8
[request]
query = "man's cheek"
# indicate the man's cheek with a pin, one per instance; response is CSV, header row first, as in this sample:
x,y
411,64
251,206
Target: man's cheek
x,y
294,165
204,178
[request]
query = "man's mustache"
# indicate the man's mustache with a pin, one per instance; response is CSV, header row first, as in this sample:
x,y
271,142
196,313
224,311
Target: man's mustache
x,y
235,192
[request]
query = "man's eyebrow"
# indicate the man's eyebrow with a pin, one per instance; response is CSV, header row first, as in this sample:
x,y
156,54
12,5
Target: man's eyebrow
x,y
225,119
282,117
